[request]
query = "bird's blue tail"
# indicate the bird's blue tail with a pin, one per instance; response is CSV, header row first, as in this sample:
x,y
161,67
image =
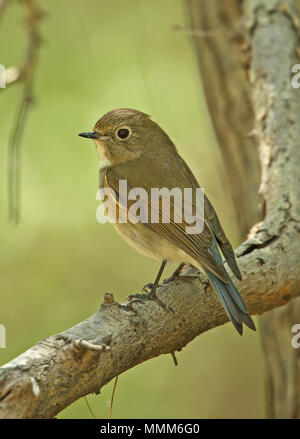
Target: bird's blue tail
x,y
230,297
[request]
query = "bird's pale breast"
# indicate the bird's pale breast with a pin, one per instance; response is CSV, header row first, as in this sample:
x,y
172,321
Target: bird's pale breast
x,y
149,243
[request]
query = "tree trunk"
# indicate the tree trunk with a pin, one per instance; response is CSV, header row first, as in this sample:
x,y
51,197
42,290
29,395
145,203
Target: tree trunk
x,y
245,58
223,57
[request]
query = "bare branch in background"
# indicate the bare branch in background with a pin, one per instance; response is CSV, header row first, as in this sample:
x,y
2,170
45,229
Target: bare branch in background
x,y
209,33
25,75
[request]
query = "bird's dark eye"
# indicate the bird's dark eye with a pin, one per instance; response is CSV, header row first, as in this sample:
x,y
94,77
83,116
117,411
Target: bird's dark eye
x,y
123,133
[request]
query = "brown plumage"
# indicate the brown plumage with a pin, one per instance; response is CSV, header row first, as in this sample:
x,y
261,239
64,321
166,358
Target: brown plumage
x,y
147,158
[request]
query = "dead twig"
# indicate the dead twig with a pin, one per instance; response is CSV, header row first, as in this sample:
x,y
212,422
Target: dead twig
x,y
25,74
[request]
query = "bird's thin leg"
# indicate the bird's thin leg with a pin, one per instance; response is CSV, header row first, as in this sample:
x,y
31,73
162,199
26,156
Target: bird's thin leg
x,y
177,271
156,282
152,294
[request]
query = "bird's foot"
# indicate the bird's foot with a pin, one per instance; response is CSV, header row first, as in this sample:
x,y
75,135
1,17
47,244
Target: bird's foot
x,y
149,295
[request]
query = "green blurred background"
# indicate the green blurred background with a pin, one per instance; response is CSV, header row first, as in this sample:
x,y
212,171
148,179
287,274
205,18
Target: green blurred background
x,y
56,265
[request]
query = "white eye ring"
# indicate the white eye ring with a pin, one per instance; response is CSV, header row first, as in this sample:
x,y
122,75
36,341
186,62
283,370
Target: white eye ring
x,y
122,133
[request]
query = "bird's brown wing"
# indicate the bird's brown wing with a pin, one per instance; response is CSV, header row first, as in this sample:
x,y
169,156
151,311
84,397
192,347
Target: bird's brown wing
x,y
223,242
212,219
195,245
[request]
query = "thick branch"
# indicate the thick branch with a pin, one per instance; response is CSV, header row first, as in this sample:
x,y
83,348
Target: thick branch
x,y
57,371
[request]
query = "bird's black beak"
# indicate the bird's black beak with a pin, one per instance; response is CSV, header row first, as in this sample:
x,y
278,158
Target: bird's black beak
x,y
90,135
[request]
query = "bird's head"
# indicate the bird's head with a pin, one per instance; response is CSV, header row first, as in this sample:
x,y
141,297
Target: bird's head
x,y
124,134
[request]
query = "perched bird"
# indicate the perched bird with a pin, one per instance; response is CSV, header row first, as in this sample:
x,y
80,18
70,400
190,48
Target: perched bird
x,y
134,148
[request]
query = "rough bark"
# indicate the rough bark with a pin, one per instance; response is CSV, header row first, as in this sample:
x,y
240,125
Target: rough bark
x,y
222,53
60,369
282,361
274,38
227,60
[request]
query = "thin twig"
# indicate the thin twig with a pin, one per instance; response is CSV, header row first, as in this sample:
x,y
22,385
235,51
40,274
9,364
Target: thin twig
x,y
174,358
90,345
202,33
26,74
112,397
89,407
15,157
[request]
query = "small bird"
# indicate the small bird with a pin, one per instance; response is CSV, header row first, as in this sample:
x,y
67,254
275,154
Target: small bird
x,y
132,147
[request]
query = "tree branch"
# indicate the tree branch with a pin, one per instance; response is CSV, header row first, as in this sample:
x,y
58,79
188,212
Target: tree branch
x,y
60,369
24,74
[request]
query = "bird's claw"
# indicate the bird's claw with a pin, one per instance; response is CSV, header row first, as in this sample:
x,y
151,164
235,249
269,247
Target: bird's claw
x,y
148,296
152,296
